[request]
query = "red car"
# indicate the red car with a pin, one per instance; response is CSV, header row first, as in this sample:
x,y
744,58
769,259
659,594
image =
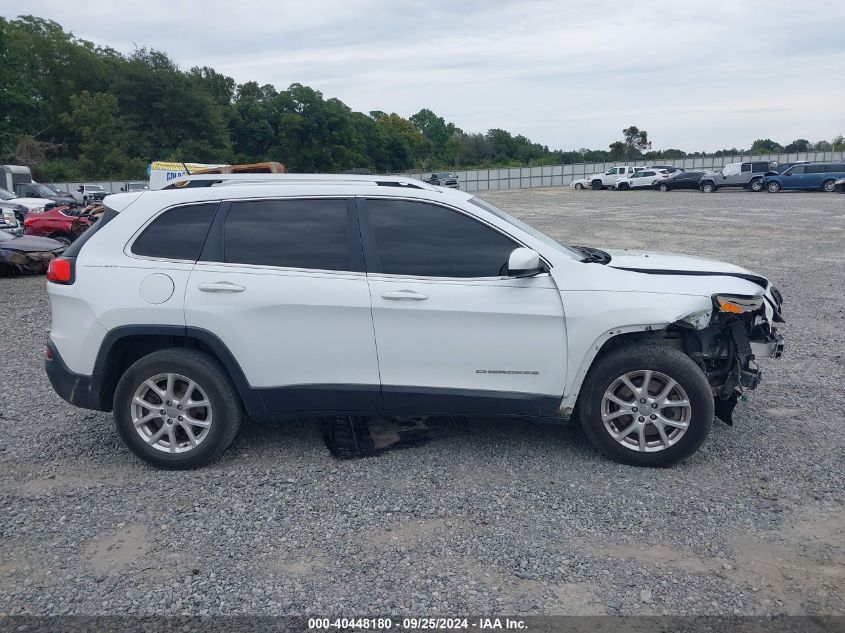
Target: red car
x,y
60,223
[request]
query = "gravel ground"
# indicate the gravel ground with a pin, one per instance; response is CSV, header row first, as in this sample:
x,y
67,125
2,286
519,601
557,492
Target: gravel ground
x,y
511,517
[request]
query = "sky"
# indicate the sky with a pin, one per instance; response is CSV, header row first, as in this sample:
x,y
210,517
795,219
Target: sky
x,y
696,75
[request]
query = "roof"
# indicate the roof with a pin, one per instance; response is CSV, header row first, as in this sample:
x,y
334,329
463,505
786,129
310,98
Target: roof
x,y
215,180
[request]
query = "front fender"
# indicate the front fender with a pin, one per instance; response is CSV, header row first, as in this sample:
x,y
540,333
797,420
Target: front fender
x,y
594,318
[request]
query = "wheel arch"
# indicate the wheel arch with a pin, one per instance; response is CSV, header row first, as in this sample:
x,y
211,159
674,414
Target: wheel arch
x,y
124,345
657,333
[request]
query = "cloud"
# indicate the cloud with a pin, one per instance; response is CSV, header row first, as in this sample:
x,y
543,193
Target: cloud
x,y
569,75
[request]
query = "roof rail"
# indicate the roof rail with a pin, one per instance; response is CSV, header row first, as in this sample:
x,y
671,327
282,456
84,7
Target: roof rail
x,y
210,180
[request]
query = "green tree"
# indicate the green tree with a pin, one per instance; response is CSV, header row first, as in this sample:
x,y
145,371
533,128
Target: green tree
x,y
766,146
634,143
95,119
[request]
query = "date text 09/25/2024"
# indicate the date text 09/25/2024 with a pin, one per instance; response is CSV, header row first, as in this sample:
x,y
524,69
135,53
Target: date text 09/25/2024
x,y
425,623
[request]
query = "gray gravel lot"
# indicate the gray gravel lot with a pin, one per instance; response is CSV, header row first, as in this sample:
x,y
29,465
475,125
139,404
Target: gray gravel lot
x,y
512,517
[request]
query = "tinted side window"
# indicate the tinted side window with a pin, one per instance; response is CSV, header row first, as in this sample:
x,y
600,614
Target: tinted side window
x,y
814,169
415,238
178,233
288,233
746,166
834,168
795,171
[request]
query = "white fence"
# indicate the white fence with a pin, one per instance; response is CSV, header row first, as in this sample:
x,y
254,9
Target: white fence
x,y
552,175
562,175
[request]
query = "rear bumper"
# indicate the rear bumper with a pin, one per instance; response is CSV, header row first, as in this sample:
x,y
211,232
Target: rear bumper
x,y
77,389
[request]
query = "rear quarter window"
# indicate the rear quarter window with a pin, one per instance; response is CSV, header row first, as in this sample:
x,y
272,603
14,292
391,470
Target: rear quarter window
x,y
178,233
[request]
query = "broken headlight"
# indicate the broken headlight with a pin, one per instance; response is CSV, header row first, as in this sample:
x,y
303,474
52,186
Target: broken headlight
x,y
737,304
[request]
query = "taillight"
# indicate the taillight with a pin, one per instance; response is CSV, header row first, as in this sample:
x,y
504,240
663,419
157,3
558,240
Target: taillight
x,y
60,271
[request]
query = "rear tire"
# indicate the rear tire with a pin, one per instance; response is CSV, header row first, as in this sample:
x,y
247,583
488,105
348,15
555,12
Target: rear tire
x,y
829,186
708,187
773,187
663,187
596,185
756,184
633,435
181,444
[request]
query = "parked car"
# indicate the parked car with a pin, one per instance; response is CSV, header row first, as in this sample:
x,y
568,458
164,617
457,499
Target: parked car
x,y
444,179
809,177
609,178
580,183
9,223
839,185
679,180
12,214
90,193
464,303
748,175
27,254
37,190
645,179
27,204
62,224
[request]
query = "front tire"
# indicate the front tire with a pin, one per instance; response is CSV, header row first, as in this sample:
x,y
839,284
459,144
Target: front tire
x,y
177,409
596,185
829,186
579,186
773,187
646,405
663,187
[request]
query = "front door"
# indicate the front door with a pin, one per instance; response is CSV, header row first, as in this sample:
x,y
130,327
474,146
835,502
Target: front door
x,y
454,333
281,284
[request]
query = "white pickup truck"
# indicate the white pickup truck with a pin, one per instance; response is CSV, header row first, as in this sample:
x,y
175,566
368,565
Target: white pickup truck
x,y
608,178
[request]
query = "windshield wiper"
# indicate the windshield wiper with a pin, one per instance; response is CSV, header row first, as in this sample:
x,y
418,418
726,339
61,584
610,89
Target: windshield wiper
x,y
593,255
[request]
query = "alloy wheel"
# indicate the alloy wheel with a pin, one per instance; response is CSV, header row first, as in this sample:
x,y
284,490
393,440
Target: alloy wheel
x,y
171,413
646,411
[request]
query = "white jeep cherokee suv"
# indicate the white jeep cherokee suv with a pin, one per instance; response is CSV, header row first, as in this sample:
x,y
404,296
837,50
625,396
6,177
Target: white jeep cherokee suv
x,y
183,309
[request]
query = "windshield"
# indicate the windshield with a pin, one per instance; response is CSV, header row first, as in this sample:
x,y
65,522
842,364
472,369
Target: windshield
x,y
5,195
43,190
566,250
94,188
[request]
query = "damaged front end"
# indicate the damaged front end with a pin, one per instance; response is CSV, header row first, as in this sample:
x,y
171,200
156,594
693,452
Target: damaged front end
x,y
23,263
728,340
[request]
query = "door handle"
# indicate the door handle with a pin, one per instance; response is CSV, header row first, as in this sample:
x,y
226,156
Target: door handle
x,y
406,295
221,286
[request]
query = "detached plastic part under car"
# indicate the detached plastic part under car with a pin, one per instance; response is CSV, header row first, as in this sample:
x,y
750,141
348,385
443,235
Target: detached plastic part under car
x,y
726,350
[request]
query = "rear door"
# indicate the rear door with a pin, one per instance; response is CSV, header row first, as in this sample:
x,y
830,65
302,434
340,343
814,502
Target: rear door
x,y
455,333
814,175
281,283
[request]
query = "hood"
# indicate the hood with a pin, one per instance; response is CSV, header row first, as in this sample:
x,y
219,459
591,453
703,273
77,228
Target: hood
x,y
676,264
31,244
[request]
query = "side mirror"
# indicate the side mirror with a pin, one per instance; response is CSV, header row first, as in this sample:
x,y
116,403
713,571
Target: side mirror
x,y
523,262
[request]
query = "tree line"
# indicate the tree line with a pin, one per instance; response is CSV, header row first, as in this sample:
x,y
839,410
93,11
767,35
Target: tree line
x,y
73,110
